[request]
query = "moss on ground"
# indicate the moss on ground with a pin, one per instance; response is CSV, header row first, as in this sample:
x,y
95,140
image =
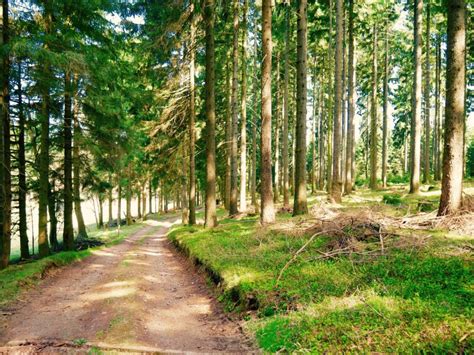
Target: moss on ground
x,y
407,300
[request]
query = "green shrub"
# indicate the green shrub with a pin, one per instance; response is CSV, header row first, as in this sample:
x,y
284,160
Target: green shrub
x,y
392,199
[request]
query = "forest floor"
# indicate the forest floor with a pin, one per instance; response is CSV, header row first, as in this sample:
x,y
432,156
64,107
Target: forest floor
x,y
137,296
379,272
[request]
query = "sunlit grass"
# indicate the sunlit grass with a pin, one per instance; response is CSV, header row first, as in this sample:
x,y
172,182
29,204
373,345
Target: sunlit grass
x,y
408,300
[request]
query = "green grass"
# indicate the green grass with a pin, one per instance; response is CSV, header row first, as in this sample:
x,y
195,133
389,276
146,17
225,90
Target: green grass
x,y
410,300
19,277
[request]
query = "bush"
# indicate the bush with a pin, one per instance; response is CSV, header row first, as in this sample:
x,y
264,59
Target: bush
x,y
392,199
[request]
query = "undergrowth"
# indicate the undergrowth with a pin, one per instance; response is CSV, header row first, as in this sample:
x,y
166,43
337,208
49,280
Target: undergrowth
x,y
410,298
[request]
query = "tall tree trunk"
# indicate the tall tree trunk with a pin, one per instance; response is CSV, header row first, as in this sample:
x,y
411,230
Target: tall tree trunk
x,y
313,135
76,165
336,188
350,144
128,197
228,133
68,230
119,202
415,143
243,134
373,115
101,211
277,131
300,205
285,152
451,185
267,214
5,175
192,129
253,185
210,210
437,139
385,112
139,204
322,138
111,199
143,192
24,247
150,197
427,108
43,246
233,210
53,220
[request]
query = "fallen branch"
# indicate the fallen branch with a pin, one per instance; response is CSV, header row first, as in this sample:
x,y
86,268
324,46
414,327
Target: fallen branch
x,y
299,251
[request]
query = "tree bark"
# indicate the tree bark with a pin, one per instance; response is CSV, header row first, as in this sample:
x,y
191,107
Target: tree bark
x,y
285,152
350,144
453,159
267,214
5,151
300,205
76,165
415,143
233,210
427,100
228,133
68,230
43,246
437,139
24,245
53,220
277,131
385,111
373,116
192,128
111,199
253,185
210,210
336,187
243,134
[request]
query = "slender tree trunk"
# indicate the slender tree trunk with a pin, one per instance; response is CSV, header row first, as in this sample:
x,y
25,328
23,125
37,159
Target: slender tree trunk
x,y
253,185
68,230
139,204
267,214
44,153
150,196
53,220
415,144
313,135
24,247
453,159
437,140
119,202
336,189
285,152
111,199
76,166
300,205
5,175
385,111
128,197
101,212
210,210
243,134
228,134
350,144
322,138
373,116
143,192
233,210
427,100
192,129
277,130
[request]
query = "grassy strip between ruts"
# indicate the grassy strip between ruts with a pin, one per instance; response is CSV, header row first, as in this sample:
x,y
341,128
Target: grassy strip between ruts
x,y
19,277
419,299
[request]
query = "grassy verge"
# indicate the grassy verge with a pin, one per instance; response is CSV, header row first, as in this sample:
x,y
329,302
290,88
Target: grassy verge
x,y
19,277
416,299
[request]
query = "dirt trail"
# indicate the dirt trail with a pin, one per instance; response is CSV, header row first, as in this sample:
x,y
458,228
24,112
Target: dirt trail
x,y
139,296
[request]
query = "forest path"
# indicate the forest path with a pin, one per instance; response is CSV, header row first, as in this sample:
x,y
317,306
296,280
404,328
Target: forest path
x,y
138,296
